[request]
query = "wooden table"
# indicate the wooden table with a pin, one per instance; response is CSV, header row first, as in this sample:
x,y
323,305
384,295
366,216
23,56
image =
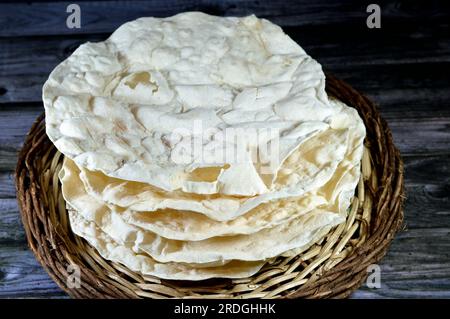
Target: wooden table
x,y
404,66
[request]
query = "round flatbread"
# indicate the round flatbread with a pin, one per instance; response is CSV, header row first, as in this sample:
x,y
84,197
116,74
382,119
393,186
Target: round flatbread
x,y
261,245
311,166
166,101
142,263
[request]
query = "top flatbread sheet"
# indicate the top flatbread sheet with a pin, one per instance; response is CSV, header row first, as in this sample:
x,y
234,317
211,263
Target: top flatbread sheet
x,y
131,106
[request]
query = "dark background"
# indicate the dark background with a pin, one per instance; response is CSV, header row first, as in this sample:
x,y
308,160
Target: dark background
x,y
404,67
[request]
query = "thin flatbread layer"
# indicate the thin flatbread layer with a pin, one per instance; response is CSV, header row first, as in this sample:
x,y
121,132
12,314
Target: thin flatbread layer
x,y
261,245
114,106
111,250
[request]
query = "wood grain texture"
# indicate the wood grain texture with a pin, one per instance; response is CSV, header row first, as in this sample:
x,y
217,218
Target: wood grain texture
x,y
26,62
29,53
11,230
104,16
22,276
404,67
15,122
411,269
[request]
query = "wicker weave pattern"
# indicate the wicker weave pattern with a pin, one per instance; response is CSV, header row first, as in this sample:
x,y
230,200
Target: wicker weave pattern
x,y
334,267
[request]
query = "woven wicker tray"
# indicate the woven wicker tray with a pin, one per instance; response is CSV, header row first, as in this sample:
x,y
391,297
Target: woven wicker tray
x,y
334,267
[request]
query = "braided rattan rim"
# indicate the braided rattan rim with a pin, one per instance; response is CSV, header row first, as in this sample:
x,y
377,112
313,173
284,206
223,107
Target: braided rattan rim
x,y
334,267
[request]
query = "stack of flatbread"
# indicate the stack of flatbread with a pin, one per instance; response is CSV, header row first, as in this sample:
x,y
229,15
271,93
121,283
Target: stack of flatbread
x,y
199,146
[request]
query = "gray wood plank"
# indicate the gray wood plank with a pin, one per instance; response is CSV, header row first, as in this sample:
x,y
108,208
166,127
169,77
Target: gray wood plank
x,y
22,276
7,188
100,16
430,171
11,228
14,125
417,265
421,135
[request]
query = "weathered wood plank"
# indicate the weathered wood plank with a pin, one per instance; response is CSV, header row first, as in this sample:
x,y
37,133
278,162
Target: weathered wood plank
x,y
7,188
402,88
375,60
427,206
416,265
22,76
104,16
421,135
14,125
427,249
11,228
427,180
22,276
428,171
